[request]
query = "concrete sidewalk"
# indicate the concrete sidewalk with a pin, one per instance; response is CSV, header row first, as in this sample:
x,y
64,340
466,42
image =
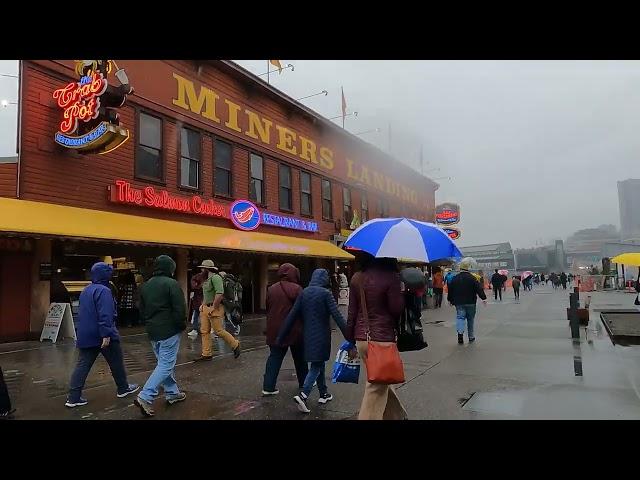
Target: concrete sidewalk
x,y
522,366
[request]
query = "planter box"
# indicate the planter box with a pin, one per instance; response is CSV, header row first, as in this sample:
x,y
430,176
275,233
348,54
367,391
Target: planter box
x,y
583,316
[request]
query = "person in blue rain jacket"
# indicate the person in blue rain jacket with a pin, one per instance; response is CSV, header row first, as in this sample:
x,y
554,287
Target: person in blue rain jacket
x,y
97,334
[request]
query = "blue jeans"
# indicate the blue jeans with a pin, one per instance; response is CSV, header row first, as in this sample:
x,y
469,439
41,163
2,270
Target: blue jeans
x,y
87,357
468,313
274,362
316,373
166,352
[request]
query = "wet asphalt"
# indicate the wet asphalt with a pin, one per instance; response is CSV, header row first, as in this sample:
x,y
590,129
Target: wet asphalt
x,y
523,365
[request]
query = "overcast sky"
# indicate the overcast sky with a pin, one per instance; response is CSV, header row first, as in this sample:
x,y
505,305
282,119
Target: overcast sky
x,y
534,148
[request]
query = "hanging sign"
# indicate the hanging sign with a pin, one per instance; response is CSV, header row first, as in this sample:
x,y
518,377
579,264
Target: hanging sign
x,y
447,214
89,121
245,215
58,318
453,232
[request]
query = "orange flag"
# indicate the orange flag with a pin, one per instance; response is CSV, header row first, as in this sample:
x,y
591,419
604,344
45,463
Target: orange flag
x,y
344,104
277,64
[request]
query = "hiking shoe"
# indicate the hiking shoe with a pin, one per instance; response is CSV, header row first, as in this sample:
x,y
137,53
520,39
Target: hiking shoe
x,y
266,393
301,402
133,387
327,397
79,403
236,351
145,408
179,397
202,358
460,339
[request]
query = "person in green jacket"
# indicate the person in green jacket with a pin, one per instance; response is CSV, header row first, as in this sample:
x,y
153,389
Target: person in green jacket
x,y
164,310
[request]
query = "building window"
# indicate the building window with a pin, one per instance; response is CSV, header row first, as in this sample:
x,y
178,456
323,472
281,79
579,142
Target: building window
x,y
256,187
149,148
346,205
383,205
222,161
326,200
305,193
190,149
286,202
364,206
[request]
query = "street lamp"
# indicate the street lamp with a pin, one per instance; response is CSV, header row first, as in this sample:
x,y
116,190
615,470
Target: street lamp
x,y
7,75
355,114
6,103
368,131
442,178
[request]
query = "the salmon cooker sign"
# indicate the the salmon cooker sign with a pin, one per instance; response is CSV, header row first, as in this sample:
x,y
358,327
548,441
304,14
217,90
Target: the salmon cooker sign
x,y
210,105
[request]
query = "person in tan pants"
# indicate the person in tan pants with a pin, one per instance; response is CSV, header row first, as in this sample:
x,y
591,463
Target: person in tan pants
x,y
212,313
380,402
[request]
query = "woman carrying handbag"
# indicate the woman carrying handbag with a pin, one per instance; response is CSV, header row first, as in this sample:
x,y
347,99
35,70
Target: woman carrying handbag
x,y
375,304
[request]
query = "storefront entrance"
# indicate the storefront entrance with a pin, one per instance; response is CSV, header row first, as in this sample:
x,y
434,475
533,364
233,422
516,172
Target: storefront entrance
x,y
15,295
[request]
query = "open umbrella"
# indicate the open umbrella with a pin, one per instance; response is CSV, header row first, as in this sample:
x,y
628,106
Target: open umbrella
x,y
503,272
632,259
527,274
403,238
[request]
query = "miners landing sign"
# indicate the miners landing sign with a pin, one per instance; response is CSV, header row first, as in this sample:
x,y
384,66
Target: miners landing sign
x,y
453,232
447,214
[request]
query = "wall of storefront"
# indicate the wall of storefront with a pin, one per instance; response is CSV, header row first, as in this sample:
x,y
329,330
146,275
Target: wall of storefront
x,y
8,179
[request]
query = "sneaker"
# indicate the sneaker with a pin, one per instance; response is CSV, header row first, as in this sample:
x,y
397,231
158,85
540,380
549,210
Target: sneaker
x,y
180,397
301,402
145,408
471,340
236,351
266,393
237,331
203,358
78,403
133,387
193,334
327,397
7,415
460,339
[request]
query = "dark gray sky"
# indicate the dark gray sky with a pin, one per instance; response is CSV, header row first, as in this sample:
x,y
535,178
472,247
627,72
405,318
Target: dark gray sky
x,y
534,148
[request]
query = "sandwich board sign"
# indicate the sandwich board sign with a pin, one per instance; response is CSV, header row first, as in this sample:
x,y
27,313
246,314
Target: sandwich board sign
x,y
58,318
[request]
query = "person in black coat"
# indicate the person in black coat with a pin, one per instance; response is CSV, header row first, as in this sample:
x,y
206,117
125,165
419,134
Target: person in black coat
x,y
463,293
314,305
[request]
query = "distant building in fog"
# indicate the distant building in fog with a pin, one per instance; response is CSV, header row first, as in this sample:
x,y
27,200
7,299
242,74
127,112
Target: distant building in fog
x,y
489,257
629,199
585,246
546,259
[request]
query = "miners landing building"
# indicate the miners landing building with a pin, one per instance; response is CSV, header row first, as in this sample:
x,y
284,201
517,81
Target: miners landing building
x,y
124,160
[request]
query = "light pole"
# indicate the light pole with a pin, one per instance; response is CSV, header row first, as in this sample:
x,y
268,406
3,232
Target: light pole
x,y
355,114
7,75
323,92
368,131
6,103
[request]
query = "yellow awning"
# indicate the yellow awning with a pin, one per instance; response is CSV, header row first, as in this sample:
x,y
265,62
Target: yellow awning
x,y
27,217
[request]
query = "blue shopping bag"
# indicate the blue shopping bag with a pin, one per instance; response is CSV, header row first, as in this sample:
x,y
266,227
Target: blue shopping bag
x,y
344,369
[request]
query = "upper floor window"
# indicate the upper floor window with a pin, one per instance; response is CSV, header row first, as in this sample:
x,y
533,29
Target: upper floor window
x,y
256,186
346,205
364,207
190,150
305,193
326,200
286,201
148,161
222,175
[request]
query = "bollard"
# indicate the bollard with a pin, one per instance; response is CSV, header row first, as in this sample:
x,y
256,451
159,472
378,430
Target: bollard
x,y
574,324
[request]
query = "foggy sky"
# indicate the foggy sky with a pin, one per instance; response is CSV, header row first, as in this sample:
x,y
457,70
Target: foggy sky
x,y
534,147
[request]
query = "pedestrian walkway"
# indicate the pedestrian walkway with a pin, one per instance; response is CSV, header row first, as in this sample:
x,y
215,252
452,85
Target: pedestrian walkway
x,y
522,366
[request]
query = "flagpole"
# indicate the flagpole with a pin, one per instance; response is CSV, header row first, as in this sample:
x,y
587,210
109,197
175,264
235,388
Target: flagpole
x,y
268,68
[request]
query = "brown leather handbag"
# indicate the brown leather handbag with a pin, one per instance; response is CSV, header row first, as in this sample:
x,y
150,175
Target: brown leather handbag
x,y
383,361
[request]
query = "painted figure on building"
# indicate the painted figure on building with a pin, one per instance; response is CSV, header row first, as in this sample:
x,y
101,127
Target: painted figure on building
x,y
113,97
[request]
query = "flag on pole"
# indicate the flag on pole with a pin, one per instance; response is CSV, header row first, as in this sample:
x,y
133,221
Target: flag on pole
x,y
277,64
344,104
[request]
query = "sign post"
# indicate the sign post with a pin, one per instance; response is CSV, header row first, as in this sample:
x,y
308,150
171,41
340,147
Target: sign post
x,y
58,318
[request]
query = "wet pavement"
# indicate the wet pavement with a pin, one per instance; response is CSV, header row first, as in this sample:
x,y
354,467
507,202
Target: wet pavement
x,y
523,365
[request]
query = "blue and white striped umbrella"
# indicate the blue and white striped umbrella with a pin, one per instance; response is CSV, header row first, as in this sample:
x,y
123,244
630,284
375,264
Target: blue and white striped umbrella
x,y
403,238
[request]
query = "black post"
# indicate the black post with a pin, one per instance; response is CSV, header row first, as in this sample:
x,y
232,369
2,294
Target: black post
x,y
574,323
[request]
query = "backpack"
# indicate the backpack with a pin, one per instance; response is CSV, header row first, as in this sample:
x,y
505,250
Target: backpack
x,y
232,297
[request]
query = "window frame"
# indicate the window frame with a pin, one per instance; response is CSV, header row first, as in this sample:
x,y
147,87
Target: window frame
x,y
364,202
346,220
136,175
232,146
264,187
282,209
189,188
309,193
330,217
